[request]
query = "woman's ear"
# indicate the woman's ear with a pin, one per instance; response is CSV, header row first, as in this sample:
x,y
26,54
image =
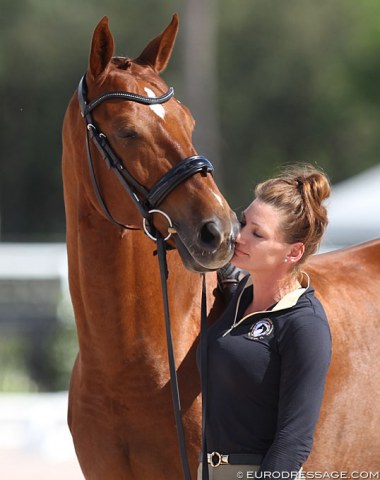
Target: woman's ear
x,y
295,253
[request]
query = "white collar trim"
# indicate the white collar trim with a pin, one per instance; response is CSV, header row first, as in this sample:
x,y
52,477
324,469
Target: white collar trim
x,y
288,301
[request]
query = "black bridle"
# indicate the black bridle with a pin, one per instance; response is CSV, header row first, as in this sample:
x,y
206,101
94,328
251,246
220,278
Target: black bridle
x,y
148,201
144,199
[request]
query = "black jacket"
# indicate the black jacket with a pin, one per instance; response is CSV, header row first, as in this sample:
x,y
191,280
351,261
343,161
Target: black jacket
x,y
266,378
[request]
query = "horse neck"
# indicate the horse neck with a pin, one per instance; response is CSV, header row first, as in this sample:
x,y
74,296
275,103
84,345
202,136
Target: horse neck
x,y
116,293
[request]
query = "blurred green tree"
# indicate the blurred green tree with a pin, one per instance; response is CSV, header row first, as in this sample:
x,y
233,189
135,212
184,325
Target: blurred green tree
x,y
298,83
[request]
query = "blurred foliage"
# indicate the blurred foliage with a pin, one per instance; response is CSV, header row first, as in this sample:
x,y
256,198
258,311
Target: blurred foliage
x,y
14,376
297,81
39,360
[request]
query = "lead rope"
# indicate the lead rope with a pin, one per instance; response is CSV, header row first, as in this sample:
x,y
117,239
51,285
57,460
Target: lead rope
x,y
203,348
161,253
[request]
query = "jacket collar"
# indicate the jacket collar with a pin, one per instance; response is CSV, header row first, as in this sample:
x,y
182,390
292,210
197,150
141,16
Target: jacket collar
x,y
288,301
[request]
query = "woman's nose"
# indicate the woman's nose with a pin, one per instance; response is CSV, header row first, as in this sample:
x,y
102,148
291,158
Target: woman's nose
x,y
239,238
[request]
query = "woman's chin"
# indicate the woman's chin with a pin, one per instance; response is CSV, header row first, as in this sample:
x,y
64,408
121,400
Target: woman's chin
x,y
241,260
236,261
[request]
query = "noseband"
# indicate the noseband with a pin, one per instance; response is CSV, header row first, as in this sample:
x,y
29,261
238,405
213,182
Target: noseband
x,y
145,200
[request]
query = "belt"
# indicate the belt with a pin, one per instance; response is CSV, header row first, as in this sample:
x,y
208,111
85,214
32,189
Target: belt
x,y
215,459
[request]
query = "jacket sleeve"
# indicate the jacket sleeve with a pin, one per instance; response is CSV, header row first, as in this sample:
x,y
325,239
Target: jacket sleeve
x,y
305,350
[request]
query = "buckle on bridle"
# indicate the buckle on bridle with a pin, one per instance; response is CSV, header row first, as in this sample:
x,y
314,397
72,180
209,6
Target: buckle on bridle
x,y
146,225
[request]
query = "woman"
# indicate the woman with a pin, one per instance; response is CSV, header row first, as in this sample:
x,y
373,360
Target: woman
x,y
269,353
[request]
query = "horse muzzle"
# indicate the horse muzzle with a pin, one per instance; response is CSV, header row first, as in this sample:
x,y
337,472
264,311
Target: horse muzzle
x,y
208,247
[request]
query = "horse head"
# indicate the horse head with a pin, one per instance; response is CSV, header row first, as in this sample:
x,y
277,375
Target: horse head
x,y
131,114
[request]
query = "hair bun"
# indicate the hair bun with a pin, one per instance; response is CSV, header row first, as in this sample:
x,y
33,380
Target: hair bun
x,y
313,184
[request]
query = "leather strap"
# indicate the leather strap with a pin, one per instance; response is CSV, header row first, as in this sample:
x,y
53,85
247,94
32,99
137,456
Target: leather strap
x,y
86,108
161,252
96,188
176,175
204,382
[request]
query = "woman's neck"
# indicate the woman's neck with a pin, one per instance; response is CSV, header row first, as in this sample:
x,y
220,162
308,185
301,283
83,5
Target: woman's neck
x,y
269,290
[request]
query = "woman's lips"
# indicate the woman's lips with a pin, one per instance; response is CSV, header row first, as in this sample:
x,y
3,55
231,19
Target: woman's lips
x,y
240,252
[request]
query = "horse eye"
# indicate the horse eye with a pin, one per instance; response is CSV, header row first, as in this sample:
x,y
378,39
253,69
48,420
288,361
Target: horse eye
x,y
127,133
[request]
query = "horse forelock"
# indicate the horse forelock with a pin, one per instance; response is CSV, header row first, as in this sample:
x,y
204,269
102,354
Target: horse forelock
x,y
123,63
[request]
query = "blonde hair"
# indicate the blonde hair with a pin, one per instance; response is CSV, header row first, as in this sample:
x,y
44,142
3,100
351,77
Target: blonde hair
x,y
298,192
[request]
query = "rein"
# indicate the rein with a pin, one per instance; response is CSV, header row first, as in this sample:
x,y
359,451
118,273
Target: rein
x,y
147,202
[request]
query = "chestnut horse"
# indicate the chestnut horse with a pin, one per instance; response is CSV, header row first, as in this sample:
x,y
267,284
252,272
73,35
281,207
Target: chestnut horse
x,y
120,407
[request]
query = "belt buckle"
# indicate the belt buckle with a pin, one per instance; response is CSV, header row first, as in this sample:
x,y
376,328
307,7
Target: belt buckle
x,y
220,459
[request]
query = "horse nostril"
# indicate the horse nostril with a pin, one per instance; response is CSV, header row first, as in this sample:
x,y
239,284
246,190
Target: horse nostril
x,y
210,235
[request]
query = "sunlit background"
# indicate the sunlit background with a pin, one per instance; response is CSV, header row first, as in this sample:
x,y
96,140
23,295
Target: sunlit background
x,y
269,82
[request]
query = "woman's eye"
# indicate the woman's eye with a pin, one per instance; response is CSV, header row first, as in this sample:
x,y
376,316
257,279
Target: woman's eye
x,y
256,234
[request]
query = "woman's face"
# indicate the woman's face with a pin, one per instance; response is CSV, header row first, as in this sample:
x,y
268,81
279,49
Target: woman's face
x,y
260,245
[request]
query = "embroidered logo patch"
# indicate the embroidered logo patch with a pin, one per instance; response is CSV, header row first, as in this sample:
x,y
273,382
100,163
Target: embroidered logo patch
x,y
261,328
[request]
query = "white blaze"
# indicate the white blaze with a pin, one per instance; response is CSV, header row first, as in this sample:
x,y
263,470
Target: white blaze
x,y
157,109
218,197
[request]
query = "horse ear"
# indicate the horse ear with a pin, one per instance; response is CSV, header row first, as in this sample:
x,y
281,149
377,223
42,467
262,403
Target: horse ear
x,y
102,49
157,53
